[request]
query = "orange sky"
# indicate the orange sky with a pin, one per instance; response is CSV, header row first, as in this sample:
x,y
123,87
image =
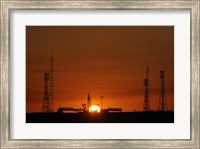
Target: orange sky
x,y
107,61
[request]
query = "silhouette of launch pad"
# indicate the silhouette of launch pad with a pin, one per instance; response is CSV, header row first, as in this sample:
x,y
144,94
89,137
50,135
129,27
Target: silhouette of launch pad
x,y
97,114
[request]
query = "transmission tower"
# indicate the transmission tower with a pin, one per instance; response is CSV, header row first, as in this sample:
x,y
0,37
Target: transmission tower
x,y
146,105
162,100
51,85
45,104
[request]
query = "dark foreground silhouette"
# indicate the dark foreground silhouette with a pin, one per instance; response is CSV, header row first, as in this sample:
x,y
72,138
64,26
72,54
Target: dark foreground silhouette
x,y
103,117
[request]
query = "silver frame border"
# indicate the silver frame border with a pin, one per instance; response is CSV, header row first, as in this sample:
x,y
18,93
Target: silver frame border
x,y
7,5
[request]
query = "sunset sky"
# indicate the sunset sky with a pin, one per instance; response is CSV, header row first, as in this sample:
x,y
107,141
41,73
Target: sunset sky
x,y
107,61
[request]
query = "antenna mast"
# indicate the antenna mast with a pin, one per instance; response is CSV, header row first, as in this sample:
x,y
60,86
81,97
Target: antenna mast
x,y
162,100
45,104
51,85
146,106
101,102
88,102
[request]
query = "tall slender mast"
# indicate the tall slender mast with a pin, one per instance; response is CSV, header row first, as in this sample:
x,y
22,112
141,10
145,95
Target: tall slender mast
x,y
45,103
146,105
101,102
51,85
162,100
88,102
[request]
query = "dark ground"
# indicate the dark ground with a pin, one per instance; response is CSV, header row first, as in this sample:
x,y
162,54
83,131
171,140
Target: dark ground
x,y
115,117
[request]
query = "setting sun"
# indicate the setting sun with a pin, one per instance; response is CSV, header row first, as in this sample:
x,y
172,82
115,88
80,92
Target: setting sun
x,y
94,108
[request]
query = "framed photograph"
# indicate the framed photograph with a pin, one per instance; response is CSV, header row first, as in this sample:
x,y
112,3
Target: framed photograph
x,y
104,60
100,74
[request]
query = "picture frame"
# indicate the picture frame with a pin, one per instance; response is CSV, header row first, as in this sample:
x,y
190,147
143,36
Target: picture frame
x,y
8,6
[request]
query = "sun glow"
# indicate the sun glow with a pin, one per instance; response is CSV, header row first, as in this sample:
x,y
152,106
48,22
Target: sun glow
x,y
94,108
